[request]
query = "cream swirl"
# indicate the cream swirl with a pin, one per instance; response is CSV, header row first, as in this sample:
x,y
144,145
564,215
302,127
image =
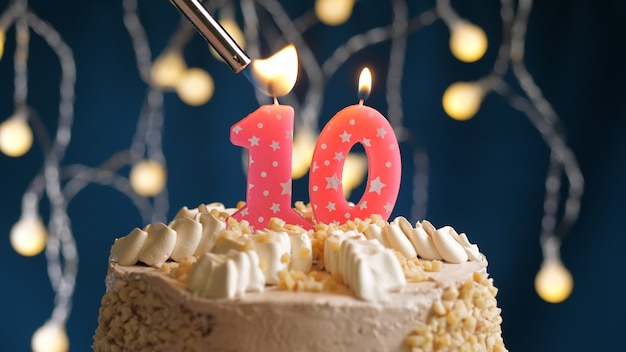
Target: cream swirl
x,y
429,243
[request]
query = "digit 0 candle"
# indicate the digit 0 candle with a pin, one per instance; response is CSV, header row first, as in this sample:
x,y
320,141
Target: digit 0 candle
x,y
355,124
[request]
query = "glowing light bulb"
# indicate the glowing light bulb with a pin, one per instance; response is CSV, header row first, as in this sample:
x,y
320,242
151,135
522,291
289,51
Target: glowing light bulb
x,y
2,39
554,283
16,137
148,178
302,152
333,12
354,169
168,69
462,100
232,28
51,337
468,42
28,236
195,87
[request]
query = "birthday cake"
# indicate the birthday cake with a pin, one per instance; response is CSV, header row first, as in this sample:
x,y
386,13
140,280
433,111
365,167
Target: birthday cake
x,y
208,282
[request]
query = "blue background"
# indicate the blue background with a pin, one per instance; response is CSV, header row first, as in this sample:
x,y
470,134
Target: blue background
x,y
486,174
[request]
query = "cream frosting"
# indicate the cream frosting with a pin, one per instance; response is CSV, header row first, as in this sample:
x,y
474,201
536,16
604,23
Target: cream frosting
x,y
361,264
226,275
370,269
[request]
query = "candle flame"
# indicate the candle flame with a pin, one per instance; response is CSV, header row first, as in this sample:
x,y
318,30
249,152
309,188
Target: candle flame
x,y
365,83
276,75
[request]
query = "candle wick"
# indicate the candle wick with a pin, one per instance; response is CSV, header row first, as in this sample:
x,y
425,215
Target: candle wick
x,y
275,100
361,100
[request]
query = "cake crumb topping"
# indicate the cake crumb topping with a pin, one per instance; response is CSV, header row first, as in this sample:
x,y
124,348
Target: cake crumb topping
x,y
465,318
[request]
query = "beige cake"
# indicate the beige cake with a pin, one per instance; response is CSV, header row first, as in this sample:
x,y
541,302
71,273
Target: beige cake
x,y
200,285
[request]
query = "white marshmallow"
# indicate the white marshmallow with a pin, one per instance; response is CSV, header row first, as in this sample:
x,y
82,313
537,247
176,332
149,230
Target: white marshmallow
x,y
211,227
375,232
332,248
471,249
398,239
423,243
271,246
451,251
159,245
370,270
188,235
301,252
226,275
125,250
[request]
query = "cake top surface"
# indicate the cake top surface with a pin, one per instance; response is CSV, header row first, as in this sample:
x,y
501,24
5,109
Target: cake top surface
x,y
221,257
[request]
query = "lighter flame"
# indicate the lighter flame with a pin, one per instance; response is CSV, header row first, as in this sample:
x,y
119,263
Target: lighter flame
x,y
365,83
277,74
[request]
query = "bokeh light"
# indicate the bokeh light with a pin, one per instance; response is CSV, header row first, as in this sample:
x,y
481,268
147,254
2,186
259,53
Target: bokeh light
x,y
168,69
148,178
468,42
302,152
16,137
462,100
2,39
51,337
554,283
195,87
333,12
28,236
354,170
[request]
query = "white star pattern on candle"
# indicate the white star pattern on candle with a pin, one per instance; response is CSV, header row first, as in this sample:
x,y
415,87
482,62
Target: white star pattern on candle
x,y
388,207
314,167
275,145
345,137
333,182
254,141
338,156
376,185
381,132
289,134
237,129
286,188
244,211
367,142
330,206
363,205
275,208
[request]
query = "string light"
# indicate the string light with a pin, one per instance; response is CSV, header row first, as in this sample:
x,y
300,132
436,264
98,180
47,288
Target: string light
x,y
148,178
28,236
554,283
468,42
462,100
168,69
195,87
16,137
333,12
51,337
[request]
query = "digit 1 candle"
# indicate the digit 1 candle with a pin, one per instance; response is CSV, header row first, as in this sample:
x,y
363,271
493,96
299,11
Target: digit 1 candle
x,y
267,133
355,124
